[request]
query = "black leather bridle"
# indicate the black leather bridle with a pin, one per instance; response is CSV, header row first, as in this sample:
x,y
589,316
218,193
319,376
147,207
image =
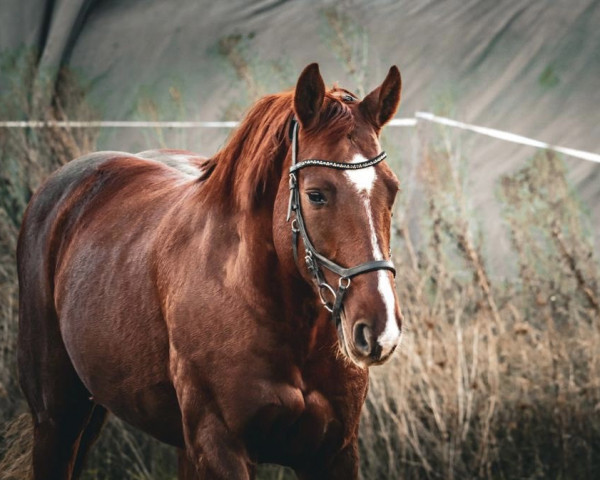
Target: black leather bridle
x,y
314,260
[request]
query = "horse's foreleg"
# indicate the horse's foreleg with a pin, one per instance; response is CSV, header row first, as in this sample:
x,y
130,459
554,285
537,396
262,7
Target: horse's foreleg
x,y
186,468
215,451
343,466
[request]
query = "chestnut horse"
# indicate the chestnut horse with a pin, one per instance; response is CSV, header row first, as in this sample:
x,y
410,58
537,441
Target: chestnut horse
x,y
185,295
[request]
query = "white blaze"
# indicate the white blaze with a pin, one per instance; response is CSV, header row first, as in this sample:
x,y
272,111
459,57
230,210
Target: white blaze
x,y
363,180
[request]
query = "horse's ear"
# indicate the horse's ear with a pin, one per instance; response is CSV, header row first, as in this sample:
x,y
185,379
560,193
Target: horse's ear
x,y
309,96
381,104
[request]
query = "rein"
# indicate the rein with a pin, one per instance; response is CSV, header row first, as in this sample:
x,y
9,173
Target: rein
x,y
314,260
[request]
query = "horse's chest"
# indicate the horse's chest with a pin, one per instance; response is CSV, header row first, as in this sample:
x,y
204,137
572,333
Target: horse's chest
x,y
302,425
317,419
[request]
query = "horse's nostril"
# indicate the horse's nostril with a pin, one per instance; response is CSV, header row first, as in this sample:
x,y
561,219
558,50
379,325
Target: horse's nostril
x,y
362,338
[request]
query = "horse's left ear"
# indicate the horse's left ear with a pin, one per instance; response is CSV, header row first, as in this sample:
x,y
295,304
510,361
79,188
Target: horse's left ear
x,y
309,96
381,104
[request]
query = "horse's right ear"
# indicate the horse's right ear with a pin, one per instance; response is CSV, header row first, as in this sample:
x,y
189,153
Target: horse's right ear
x,y
309,96
381,104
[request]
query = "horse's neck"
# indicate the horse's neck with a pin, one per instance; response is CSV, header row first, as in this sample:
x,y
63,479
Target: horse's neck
x,y
280,290
236,254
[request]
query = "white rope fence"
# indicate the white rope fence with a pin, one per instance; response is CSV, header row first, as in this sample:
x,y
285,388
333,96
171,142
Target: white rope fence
x,y
114,124
507,136
397,122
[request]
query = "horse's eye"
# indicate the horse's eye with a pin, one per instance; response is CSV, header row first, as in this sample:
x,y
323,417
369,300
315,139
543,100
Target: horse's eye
x,y
317,198
348,98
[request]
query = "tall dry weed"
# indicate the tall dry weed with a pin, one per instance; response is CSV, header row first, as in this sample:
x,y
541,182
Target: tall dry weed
x,y
15,456
494,380
27,157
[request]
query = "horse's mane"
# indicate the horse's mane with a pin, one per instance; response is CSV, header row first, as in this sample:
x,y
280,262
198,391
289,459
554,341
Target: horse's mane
x,y
251,161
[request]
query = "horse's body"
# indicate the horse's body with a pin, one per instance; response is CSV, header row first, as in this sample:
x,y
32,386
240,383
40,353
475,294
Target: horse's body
x,y
153,286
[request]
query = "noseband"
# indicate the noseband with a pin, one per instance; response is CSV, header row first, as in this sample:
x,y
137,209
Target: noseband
x,y
314,260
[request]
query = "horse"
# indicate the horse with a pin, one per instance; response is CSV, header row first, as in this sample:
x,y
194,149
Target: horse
x,y
228,306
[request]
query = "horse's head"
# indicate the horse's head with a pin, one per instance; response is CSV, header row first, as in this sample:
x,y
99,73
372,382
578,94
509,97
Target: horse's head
x,y
341,198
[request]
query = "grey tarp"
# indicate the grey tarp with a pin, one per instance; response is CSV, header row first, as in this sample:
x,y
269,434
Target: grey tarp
x,y
531,68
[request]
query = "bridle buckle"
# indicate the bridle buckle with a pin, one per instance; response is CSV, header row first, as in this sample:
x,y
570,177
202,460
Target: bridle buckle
x,y
311,264
291,206
328,305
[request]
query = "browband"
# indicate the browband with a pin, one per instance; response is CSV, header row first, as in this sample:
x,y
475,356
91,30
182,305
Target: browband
x,y
339,165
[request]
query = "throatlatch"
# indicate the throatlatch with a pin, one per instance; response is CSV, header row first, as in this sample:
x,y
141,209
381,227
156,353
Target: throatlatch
x,y
314,260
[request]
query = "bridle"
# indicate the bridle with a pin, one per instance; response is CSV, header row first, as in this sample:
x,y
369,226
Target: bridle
x,y
314,260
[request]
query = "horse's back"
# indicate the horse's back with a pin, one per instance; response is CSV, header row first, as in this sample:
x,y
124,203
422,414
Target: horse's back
x,y
95,179
88,179
61,200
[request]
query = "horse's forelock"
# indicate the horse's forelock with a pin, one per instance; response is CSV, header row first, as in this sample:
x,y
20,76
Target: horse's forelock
x,y
336,117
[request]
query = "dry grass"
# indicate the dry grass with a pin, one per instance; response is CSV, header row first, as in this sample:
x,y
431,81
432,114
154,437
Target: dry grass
x,y
493,380
15,458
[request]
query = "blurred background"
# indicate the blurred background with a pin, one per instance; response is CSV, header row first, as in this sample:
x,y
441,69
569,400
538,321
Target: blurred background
x,y
495,242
